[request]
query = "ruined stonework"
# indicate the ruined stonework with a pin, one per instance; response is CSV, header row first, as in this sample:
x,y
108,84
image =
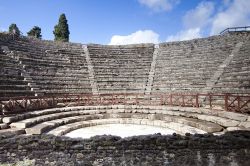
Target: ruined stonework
x,y
37,67
154,150
217,64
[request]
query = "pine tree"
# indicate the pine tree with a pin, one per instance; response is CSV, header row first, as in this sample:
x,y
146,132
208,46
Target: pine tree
x,y
14,29
35,32
61,30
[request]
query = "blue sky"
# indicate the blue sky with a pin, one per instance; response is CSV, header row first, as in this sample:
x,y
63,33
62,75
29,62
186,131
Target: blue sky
x,y
126,21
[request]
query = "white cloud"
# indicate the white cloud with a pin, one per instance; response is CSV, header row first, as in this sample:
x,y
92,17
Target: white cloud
x,y
203,19
185,35
194,20
141,36
200,16
236,14
159,5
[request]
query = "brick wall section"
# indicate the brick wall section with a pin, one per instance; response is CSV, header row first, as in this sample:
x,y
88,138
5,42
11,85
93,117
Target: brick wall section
x,y
230,149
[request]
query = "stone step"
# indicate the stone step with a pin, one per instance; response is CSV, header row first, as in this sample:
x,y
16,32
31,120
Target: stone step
x,y
202,125
15,118
96,109
33,121
88,110
45,126
199,124
180,128
12,132
3,126
183,129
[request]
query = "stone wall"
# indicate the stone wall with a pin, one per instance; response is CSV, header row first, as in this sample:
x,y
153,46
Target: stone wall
x,y
229,149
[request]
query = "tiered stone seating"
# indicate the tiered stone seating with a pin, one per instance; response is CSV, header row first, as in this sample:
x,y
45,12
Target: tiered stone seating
x,y
45,67
120,69
59,121
12,83
186,66
50,67
236,76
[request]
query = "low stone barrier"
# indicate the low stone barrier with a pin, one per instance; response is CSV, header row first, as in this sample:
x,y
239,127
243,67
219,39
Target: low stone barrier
x,y
232,148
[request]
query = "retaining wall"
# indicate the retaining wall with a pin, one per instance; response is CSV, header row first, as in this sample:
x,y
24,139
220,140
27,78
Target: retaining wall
x,y
232,148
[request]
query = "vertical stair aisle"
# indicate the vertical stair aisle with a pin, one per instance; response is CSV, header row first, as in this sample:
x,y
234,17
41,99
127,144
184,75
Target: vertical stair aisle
x,y
214,79
152,71
91,71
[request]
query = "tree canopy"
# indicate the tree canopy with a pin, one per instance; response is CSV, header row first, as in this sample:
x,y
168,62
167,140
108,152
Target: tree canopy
x,y
35,32
61,30
14,29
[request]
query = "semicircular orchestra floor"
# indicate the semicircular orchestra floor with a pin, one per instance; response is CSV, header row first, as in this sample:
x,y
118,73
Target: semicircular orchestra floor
x,y
122,130
60,121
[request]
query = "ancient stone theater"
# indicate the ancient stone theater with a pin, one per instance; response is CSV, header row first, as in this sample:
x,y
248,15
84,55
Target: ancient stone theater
x,y
198,90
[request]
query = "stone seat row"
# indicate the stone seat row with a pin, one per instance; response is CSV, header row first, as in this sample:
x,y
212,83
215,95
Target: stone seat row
x,y
125,52
6,59
238,60
15,93
122,63
118,52
13,82
127,55
240,67
57,73
114,58
52,61
233,90
121,88
113,80
211,121
121,74
120,91
56,79
182,90
108,51
173,64
196,50
53,69
117,75
163,86
189,61
64,91
121,70
120,77
48,64
194,57
182,73
187,66
11,77
17,87
236,77
65,88
196,79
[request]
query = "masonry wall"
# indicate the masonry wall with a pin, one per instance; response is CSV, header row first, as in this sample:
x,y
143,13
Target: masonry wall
x,y
230,149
